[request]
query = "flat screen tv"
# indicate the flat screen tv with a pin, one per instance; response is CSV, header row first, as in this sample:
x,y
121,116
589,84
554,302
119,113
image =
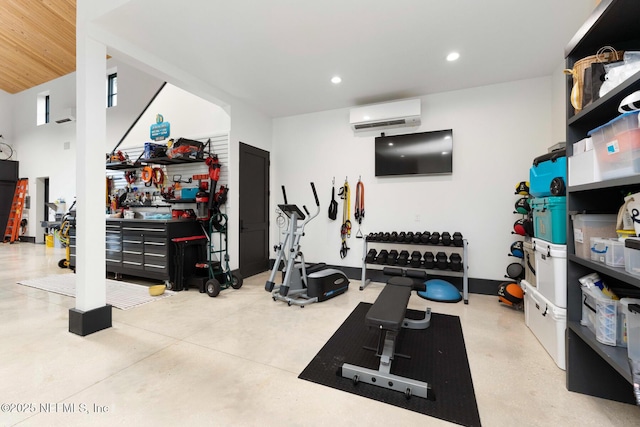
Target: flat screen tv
x,y
425,153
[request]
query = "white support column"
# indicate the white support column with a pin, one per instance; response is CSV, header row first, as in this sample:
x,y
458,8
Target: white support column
x,y
91,312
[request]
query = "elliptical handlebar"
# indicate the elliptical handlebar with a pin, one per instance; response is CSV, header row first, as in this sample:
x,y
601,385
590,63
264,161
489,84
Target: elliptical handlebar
x,y
315,194
284,194
305,209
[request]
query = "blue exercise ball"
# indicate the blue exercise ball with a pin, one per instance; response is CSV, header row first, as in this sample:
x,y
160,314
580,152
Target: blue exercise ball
x,y
441,291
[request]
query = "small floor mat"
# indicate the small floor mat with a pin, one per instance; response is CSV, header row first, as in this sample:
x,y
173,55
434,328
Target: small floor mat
x,y
122,295
438,356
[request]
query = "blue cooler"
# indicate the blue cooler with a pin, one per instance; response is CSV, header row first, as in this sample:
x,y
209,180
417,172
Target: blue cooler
x,y
550,219
543,172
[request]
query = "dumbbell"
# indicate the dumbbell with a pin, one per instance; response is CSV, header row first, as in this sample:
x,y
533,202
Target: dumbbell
x,y
455,262
394,236
382,257
392,259
409,237
417,237
415,259
441,261
403,258
446,238
434,239
457,239
401,236
371,237
424,238
379,237
371,256
385,237
429,260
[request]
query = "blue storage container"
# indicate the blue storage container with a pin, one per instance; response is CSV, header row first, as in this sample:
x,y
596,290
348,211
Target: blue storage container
x,y
545,168
550,219
188,193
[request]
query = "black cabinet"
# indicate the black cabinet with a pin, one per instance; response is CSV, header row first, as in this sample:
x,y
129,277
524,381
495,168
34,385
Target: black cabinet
x,y
594,368
144,248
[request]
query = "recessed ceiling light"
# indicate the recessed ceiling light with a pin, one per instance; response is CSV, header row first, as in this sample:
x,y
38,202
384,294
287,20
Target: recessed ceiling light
x,y
453,56
335,80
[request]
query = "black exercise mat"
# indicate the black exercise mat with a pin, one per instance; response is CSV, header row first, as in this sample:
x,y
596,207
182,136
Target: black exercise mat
x,y
438,357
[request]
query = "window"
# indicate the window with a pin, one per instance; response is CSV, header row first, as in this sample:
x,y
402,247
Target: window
x,y
46,109
112,90
43,108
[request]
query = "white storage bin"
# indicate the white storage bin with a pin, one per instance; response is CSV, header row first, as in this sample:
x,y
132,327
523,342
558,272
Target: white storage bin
x,y
624,307
551,271
547,322
632,255
583,168
586,226
632,317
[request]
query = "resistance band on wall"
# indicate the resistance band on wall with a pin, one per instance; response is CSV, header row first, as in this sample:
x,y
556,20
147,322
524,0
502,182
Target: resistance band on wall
x,y
345,229
359,209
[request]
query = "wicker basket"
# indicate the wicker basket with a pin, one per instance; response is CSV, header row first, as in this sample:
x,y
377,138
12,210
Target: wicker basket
x,y
604,55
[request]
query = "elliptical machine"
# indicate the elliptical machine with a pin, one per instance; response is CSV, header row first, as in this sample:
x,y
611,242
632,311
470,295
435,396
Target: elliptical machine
x,y
301,284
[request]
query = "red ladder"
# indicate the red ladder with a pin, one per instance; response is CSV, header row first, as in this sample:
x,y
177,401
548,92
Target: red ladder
x,y
12,232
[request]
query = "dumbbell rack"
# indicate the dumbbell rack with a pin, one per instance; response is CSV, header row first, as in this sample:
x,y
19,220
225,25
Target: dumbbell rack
x,y
463,273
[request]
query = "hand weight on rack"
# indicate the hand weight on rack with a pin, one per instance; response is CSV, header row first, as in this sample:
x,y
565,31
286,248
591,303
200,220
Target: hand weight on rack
x,y
403,258
441,261
446,238
415,259
417,236
392,259
434,239
455,262
429,260
409,237
385,237
394,236
401,236
382,257
371,237
457,239
424,238
371,256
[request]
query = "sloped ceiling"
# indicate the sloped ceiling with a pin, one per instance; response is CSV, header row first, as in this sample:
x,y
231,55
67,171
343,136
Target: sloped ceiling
x,y
37,42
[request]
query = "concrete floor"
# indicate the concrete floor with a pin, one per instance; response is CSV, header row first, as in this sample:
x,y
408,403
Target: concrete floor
x,y
234,360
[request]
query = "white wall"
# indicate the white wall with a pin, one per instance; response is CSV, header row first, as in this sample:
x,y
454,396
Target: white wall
x,y
41,149
188,115
559,103
497,131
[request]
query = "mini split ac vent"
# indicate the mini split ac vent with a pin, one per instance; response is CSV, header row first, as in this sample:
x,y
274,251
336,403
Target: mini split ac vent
x,y
388,115
68,115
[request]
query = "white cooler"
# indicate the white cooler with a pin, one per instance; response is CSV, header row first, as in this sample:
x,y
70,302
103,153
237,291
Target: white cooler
x,y
547,322
551,271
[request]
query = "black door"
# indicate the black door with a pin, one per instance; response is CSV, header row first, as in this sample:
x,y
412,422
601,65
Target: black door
x,y
8,180
254,210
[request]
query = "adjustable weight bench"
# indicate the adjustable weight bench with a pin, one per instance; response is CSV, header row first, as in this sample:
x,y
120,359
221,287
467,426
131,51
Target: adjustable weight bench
x,y
388,315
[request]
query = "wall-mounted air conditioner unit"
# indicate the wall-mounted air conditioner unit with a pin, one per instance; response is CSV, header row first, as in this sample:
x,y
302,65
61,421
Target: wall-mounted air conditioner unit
x,y
387,115
66,115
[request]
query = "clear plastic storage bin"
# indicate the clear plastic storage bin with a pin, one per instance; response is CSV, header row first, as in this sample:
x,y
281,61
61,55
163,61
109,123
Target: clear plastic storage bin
x,y
586,226
632,255
617,146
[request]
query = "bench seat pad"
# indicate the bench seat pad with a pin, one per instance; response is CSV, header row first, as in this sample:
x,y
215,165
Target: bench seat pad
x,y
389,310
